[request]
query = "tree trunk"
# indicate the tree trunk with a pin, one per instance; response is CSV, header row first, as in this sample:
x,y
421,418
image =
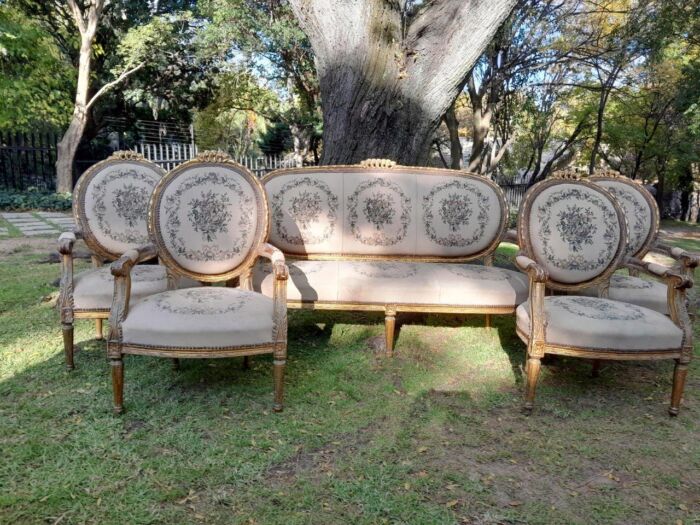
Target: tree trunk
x,y
455,145
70,141
387,76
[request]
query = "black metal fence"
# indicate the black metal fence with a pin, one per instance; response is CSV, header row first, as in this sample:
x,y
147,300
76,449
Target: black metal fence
x,y
28,160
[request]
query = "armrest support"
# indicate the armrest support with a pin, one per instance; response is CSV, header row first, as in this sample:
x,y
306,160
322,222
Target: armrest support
x,y
670,276
526,265
279,296
511,236
121,270
65,298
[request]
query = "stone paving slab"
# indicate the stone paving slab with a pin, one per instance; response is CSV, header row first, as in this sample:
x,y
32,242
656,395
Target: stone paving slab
x,y
41,223
35,233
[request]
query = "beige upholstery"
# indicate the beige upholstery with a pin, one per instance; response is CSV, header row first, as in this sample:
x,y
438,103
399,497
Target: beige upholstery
x,y
93,289
588,322
397,282
649,294
637,210
574,232
207,218
207,317
116,204
398,211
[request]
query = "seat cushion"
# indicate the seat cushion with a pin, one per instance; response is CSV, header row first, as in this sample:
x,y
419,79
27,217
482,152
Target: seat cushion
x,y
206,317
93,289
398,282
590,322
649,294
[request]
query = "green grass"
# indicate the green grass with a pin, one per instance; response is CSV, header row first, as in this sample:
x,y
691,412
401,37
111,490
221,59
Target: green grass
x,y
434,435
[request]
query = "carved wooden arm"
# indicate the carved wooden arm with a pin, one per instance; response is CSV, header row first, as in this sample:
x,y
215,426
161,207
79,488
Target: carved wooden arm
x,y
121,270
689,261
538,322
279,293
66,241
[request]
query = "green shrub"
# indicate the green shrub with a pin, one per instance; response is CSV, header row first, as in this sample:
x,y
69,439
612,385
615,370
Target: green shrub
x,y
33,199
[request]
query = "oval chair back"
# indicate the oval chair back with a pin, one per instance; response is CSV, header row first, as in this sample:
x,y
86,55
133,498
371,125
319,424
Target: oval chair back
x,y
640,208
574,229
110,204
208,217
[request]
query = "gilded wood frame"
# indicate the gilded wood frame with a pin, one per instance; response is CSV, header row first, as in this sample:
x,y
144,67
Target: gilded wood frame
x,y
536,340
117,348
100,253
384,166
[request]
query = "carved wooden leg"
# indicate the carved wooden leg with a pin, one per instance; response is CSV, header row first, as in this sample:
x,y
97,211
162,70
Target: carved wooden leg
x,y
246,362
389,326
68,344
679,374
278,372
533,373
595,371
118,384
176,364
98,329
488,321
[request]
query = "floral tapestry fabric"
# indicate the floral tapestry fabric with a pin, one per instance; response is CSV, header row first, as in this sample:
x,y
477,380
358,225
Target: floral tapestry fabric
x,y
304,212
595,308
384,270
116,206
574,231
457,213
383,205
199,301
637,210
207,219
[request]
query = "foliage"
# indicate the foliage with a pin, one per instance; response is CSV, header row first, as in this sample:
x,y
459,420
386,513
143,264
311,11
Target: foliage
x,y
33,199
35,81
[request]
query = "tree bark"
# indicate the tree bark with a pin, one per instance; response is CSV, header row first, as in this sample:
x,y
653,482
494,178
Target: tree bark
x,y
387,76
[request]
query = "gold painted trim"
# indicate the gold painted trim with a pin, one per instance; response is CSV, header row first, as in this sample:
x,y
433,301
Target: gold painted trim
x,y
524,231
80,192
196,352
656,219
210,159
399,307
389,170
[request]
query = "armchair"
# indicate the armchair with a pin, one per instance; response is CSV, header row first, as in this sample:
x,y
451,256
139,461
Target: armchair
x,y
642,215
110,206
572,236
208,220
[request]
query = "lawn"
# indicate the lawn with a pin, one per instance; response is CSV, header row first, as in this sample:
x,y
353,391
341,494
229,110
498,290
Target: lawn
x,y
434,435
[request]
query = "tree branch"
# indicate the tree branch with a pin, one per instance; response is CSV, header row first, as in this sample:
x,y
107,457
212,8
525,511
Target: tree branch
x,y
113,83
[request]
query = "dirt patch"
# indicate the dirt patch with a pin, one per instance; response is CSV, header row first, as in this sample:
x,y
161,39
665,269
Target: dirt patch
x,y
26,245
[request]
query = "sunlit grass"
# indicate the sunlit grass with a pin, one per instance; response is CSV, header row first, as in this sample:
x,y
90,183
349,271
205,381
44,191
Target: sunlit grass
x,y
434,435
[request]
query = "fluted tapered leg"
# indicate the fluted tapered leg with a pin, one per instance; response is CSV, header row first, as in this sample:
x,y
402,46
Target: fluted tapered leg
x,y
680,372
278,372
68,344
118,385
98,329
533,373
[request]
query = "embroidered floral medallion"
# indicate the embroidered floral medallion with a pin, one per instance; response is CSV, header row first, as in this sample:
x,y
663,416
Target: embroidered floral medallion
x,y
385,270
574,225
129,202
456,203
485,273
211,215
599,309
311,205
385,206
200,301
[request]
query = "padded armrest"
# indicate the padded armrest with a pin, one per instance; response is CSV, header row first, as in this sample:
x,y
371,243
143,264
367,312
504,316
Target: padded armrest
x,y
689,260
669,275
511,236
66,241
531,267
275,256
123,265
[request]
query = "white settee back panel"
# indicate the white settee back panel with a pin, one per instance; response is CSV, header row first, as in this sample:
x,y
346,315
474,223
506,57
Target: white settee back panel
x,y
399,211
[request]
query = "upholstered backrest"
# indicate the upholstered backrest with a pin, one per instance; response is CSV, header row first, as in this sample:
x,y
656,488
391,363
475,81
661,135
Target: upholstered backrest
x,y
384,211
640,208
574,229
110,203
208,217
